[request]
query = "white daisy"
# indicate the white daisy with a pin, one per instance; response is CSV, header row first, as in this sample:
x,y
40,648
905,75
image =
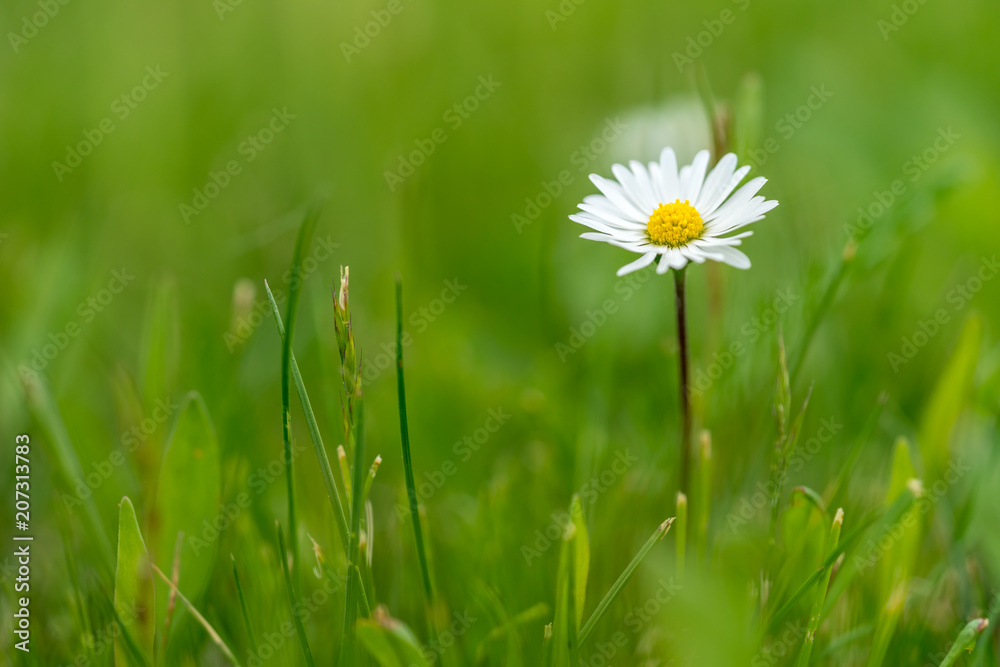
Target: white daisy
x,y
631,213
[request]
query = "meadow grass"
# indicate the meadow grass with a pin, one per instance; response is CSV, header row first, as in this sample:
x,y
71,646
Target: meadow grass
x,y
517,500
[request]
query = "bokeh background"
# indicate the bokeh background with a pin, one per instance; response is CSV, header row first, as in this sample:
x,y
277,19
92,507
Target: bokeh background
x,y
473,220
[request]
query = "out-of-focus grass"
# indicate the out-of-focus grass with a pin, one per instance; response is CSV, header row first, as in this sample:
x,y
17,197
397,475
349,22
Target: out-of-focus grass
x,y
486,308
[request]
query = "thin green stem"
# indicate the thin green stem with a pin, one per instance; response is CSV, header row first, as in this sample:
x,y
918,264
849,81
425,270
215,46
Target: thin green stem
x,y
243,605
353,550
685,472
411,488
293,602
324,462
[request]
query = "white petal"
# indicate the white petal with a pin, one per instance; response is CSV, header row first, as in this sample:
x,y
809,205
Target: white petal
x,y
691,186
640,263
642,178
733,257
609,214
710,205
616,194
668,176
734,206
632,188
593,222
717,179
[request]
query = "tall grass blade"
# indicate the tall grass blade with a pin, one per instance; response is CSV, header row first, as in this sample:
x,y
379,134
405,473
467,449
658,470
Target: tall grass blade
x,y
294,291
243,605
820,595
623,580
332,491
226,651
404,432
293,602
353,551
133,586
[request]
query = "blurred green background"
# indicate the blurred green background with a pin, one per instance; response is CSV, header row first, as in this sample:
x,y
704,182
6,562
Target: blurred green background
x,y
231,75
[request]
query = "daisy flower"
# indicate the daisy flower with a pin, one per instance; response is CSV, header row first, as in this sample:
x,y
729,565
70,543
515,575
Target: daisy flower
x,y
677,216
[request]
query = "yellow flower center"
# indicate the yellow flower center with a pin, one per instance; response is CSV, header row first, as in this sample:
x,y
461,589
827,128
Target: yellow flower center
x,y
674,224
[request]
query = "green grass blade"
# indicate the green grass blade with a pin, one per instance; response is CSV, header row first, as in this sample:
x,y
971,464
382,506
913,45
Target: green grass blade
x,y
293,602
581,557
404,432
69,472
133,586
852,456
324,462
820,596
187,499
294,291
966,640
951,393
201,619
623,580
243,605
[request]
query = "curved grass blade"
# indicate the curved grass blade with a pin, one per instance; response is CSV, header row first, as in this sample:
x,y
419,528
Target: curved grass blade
x,y
324,462
852,457
623,580
404,431
294,290
201,619
292,601
133,587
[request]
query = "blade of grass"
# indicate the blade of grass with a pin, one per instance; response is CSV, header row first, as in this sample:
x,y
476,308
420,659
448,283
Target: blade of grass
x,y
411,487
294,290
680,533
243,605
966,640
201,619
626,576
852,457
324,462
820,596
293,602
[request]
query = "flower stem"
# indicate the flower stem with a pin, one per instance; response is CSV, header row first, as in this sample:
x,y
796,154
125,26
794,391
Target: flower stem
x,y
685,472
